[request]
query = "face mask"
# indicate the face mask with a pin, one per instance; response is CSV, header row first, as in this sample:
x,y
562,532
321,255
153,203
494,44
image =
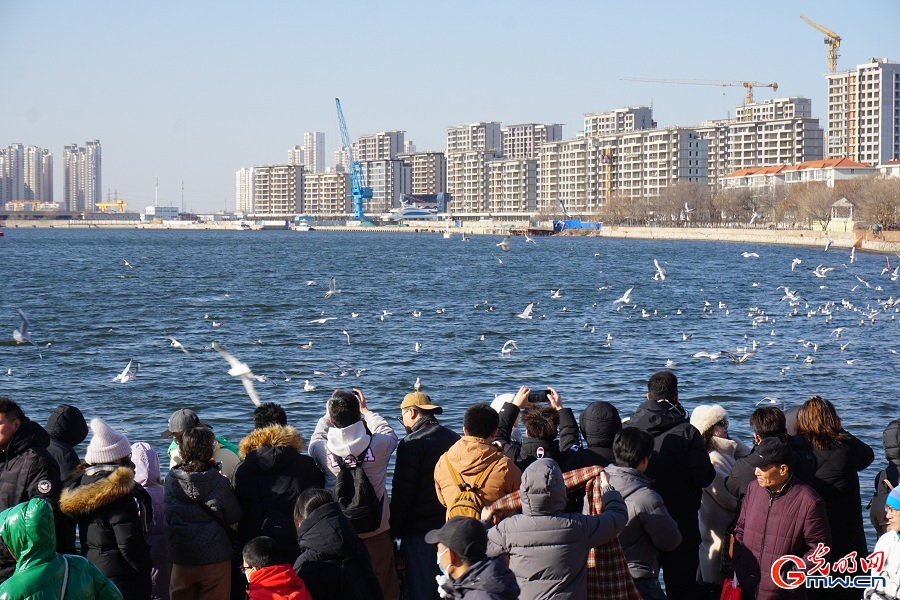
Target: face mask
x,y
443,570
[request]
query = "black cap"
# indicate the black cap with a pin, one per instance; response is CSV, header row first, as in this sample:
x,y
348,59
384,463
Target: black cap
x,y
464,535
771,450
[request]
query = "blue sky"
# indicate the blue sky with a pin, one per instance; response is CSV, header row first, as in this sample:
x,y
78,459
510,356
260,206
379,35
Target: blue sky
x,y
194,90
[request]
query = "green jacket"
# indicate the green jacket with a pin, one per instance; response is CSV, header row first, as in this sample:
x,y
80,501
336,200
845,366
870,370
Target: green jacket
x,y
28,531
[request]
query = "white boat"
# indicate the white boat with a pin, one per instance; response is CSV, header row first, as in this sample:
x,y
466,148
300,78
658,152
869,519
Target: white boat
x,y
241,226
409,212
301,225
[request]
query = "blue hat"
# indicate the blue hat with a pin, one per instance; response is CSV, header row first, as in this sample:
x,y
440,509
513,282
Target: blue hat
x,y
893,499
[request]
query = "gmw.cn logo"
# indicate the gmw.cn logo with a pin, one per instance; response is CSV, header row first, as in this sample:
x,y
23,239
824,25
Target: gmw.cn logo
x,y
791,572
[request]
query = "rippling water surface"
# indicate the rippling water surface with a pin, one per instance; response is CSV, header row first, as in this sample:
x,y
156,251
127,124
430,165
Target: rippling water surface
x,y
96,314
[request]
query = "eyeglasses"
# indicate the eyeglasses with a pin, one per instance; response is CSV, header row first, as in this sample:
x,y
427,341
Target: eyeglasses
x,y
890,510
245,568
722,423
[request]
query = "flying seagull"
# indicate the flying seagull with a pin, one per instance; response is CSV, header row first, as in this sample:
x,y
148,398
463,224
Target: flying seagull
x,y
738,359
331,291
660,272
176,344
127,374
348,336
239,369
504,245
526,314
23,333
795,262
626,297
508,347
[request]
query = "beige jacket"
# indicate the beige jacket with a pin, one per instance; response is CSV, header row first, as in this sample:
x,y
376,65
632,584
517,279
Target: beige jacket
x,y
469,456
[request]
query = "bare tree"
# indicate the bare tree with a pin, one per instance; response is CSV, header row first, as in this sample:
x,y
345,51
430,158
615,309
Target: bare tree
x,y
813,201
878,199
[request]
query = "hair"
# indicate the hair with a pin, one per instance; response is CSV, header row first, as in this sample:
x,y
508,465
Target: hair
x,y
819,424
262,551
632,445
197,447
769,421
309,500
10,408
268,414
343,407
541,422
663,385
481,420
424,413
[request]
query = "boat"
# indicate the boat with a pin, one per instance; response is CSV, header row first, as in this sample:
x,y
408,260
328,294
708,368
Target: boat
x,y
410,212
241,226
301,225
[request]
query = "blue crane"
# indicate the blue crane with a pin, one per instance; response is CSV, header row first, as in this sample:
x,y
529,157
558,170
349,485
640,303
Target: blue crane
x,y
359,193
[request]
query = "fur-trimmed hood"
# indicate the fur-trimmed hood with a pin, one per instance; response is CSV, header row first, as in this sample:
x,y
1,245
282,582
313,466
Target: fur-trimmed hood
x,y
92,487
273,447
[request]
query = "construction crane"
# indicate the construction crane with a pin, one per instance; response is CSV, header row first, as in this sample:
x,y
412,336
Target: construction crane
x,y
748,85
831,38
120,204
359,193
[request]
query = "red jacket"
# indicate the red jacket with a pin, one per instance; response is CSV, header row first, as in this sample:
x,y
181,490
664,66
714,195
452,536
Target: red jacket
x,y
278,582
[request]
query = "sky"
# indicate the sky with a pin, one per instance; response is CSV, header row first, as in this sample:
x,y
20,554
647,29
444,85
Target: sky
x,y
194,90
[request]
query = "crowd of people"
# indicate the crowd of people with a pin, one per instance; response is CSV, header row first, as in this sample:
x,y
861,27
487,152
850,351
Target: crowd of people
x,y
597,507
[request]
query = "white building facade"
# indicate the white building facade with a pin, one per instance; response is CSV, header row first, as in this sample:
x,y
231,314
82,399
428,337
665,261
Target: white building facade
x,y
620,120
82,176
314,152
428,172
278,191
384,145
469,149
243,191
524,141
327,194
296,156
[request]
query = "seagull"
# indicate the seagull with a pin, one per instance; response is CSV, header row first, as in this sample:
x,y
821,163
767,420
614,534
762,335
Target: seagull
x,y
822,271
127,264
216,323
686,336
127,374
321,321
307,387
626,297
286,376
754,217
555,293
464,238
529,239
310,282
828,243
504,245
508,347
852,255
23,333
749,254
660,272
738,359
526,314
306,346
331,291
417,313
239,369
176,344
348,336
417,385
499,260
795,262
837,332
353,315
418,346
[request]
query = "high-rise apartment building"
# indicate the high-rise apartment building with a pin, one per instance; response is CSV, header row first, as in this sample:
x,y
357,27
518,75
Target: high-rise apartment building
x,y
12,173
512,186
428,172
385,145
38,174
278,191
485,136
342,160
864,113
388,179
26,174
621,120
524,141
243,191
295,156
314,152
408,147
82,182
327,194
469,148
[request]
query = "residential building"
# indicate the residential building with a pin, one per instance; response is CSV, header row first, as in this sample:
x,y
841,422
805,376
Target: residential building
x,y
342,160
428,172
485,136
385,145
469,149
314,152
12,173
564,178
512,186
828,171
278,191
409,147
327,194
621,120
890,169
82,178
524,141
388,179
295,156
864,113
243,191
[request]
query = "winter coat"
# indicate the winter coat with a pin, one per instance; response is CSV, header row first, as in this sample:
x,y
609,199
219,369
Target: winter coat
x,y
772,524
225,455
328,443
268,482
333,561
278,582
470,456
531,448
599,424
718,507
486,579
104,499
193,535
415,509
650,528
67,429
888,478
889,543
27,529
146,473
742,474
26,471
548,548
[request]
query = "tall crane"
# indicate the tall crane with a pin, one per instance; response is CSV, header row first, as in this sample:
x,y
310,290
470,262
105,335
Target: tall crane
x,y
359,193
748,85
831,38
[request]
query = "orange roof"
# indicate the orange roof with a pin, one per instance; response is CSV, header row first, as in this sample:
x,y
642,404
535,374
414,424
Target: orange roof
x,y
755,171
833,163
892,162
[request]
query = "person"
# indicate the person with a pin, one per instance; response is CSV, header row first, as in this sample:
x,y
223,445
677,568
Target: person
x,y
350,429
650,528
226,454
889,544
29,471
599,423
542,426
680,468
271,477
497,404
200,505
471,455
28,531
67,428
470,574
776,502
839,457
415,509
147,475
333,561
268,578
718,506
112,512
548,548
888,478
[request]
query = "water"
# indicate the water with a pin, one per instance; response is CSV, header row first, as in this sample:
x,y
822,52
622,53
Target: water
x,y
98,313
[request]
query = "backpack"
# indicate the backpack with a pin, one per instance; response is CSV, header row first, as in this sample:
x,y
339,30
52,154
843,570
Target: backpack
x,y
355,494
469,502
884,483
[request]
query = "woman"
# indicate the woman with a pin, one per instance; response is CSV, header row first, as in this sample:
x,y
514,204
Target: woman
x,y
718,506
112,512
200,504
146,473
889,543
839,458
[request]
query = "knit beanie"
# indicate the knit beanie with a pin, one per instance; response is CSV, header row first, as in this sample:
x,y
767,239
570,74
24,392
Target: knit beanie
x,y
893,499
706,415
107,445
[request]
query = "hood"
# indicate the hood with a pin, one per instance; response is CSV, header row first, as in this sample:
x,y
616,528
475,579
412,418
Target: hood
x,y
67,424
95,487
146,464
600,422
345,441
627,480
728,447
277,581
891,440
543,489
658,416
704,416
28,531
193,486
470,454
489,575
273,446
327,531
29,435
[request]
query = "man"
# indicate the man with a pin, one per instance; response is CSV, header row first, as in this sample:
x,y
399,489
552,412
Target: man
x,y
681,468
350,432
28,469
270,479
474,453
67,428
468,572
415,509
542,426
781,515
226,453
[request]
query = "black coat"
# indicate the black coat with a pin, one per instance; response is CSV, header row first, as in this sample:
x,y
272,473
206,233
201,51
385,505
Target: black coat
x,y
415,508
105,501
743,474
26,471
888,478
67,429
333,561
486,579
532,448
599,422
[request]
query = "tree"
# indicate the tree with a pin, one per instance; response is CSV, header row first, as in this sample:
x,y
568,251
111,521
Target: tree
x,y
813,201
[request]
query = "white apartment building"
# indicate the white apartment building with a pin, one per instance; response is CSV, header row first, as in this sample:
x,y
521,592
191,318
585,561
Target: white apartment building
x,y
828,171
314,152
409,147
864,113
342,160
26,175
621,120
485,136
512,186
469,148
327,194
296,156
388,179
384,145
82,180
243,191
12,173
278,191
428,172
524,141
564,177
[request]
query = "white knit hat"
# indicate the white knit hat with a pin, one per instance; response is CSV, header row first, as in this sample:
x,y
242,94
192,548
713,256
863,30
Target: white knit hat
x,y
706,415
107,445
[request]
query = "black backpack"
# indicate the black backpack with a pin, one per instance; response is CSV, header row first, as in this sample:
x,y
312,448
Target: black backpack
x,y
355,494
885,481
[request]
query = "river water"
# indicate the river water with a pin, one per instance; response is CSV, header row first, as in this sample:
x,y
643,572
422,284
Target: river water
x,y
91,314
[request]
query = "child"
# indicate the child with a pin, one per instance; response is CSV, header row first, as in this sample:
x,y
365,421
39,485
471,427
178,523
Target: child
x,y
889,543
270,579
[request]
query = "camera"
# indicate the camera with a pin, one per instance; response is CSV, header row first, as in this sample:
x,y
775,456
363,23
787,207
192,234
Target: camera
x,y
539,397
